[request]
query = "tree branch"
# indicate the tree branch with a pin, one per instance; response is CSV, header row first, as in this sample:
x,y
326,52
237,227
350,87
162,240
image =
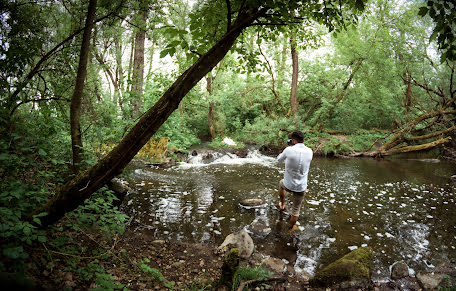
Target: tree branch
x,y
35,69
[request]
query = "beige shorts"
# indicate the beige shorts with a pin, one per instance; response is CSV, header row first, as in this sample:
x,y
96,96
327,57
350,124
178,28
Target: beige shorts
x,y
296,199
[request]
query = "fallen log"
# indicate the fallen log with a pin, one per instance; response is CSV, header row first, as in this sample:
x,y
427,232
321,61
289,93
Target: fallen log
x,y
426,146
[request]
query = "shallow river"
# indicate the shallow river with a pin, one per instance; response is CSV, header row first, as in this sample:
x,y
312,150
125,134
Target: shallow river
x,y
403,209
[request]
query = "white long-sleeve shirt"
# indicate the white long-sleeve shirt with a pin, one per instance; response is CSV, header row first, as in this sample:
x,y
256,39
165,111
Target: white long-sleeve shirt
x,y
297,160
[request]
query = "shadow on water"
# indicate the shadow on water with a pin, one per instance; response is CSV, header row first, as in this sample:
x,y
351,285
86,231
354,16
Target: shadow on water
x,y
403,209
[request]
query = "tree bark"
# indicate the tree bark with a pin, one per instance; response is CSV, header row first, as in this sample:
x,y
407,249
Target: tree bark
x,y
294,77
76,99
138,61
210,114
74,192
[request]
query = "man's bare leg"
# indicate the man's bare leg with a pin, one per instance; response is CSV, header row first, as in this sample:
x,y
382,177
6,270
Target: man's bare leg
x,y
282,198
293,220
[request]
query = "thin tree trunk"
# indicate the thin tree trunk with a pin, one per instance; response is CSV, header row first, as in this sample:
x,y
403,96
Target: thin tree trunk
x,y
210,115
138,62
76,100
271,72
119,70
74,192
294,77
341,94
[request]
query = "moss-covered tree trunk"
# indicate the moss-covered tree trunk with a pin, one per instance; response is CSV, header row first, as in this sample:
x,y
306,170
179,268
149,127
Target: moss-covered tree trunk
x,y
73,193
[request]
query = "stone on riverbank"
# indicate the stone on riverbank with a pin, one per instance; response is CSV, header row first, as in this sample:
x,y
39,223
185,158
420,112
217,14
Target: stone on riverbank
x,y
429,281
399,270
352,270
240,240
274,264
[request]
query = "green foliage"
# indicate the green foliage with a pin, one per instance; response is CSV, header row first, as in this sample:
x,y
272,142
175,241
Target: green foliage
x,y
181,136
155,273
99,211
106,282
363,142
443,15
247,273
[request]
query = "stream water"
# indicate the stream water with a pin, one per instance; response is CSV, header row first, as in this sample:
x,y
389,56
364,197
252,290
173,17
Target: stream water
x,y
403,209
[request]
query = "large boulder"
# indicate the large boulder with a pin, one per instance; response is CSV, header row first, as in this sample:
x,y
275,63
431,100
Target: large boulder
x,y
240,240
351,271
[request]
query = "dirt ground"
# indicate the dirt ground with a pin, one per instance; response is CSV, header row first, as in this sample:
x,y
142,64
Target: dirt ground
x,y
128,257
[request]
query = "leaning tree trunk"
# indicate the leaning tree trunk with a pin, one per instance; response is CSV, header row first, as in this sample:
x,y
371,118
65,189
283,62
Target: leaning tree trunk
x,y
76,100
74,192
294,77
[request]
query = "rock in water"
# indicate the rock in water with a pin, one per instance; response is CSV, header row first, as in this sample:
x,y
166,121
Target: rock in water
x,y
399,270
351,271
255,202
240,240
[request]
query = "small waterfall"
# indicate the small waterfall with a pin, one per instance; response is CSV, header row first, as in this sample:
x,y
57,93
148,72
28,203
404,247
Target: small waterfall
x,y
208,157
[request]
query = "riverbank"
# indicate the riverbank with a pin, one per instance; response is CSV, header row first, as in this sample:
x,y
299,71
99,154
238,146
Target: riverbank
x,y
136,260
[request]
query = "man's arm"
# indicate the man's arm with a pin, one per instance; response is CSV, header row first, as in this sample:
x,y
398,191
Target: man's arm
x,y
283,156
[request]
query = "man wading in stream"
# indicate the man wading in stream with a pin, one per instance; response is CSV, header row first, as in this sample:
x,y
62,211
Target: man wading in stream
x,y
297,158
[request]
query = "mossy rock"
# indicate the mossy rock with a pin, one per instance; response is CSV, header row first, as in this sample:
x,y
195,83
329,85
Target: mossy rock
x,y
229,268
353,269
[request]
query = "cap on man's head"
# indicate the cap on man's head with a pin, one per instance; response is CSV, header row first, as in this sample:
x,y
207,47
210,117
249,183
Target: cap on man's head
x,y
298,135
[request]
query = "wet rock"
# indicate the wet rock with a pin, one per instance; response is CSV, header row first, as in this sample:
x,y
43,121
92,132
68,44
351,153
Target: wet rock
x,y
274,264
240,240
259,228
240,153
194,153
399,270
208,157
429,281
120,188
453,178
270,150
351,271
255,202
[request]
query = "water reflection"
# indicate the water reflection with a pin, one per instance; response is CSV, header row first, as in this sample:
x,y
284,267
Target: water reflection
x,y
402,209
